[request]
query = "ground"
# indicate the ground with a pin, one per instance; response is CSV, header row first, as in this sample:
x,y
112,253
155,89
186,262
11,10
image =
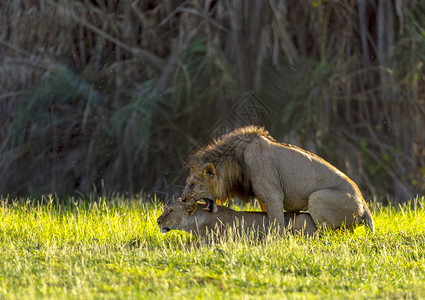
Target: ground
x,y
112,248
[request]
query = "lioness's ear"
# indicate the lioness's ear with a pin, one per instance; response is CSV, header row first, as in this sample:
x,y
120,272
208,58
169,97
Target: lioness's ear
x,y
190,210
208,170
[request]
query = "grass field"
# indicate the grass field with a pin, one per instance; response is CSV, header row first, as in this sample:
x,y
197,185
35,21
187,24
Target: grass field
x,y
113,249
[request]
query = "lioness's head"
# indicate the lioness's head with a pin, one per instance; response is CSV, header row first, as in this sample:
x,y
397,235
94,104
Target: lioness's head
x,y
176,216
200,184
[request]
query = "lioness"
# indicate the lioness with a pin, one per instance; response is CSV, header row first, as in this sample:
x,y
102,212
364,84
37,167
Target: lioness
x,y
249,163
183,216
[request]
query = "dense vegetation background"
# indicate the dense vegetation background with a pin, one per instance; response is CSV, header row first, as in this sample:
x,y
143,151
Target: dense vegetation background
x,y
113,95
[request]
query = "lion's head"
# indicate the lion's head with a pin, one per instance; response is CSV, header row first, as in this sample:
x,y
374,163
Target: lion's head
x,y
176,216
200,185
219,171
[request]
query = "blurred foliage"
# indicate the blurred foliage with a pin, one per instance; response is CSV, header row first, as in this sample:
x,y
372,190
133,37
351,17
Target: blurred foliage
x,y
112,95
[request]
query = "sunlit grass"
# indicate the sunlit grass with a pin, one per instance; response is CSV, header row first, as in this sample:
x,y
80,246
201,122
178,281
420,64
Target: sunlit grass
x,y
112,248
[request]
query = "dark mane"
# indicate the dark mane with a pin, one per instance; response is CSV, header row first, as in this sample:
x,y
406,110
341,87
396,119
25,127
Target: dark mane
x,y
230,145
226,153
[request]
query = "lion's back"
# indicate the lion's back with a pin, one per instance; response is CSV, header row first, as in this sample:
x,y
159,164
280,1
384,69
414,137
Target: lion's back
x,y
296,172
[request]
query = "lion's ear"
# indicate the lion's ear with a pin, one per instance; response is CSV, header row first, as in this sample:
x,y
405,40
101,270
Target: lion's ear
x,y
208,170
190,210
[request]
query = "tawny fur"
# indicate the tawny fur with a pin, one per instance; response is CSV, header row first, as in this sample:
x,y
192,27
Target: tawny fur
x,y
249,163
227,154
184,216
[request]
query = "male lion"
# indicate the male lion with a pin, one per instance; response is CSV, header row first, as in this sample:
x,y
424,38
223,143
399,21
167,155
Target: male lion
x,y
183,216
249,163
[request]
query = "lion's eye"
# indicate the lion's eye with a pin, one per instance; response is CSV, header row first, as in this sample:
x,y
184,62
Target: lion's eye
x,y
191,186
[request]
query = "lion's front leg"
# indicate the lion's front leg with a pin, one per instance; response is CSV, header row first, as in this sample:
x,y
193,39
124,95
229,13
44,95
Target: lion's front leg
x,y
275,212
273,198
266,180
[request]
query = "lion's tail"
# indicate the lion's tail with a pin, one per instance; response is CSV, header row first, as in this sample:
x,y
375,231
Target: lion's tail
x,y
367,218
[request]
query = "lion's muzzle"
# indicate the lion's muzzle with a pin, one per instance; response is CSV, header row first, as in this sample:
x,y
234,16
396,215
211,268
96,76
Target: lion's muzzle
x,y
210,205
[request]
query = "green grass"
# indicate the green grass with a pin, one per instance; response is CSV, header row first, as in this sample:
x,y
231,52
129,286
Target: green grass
x,y
113,249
